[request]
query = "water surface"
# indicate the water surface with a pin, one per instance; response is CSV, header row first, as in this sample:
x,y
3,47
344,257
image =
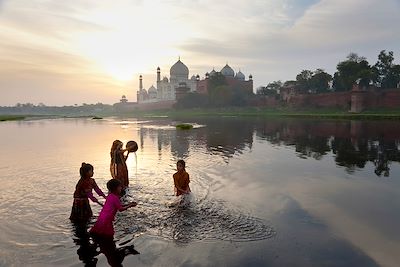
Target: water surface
x,y
267,192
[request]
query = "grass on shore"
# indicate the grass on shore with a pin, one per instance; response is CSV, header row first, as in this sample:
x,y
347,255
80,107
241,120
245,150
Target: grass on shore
x,y
12,117
184,126
264,112
282,112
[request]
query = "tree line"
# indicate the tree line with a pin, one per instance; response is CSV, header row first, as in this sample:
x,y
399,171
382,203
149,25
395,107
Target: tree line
x,y
384,74
84,109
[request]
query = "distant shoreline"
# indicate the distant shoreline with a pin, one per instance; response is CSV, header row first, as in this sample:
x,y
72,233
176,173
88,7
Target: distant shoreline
x,y
227,112
12,117
277,113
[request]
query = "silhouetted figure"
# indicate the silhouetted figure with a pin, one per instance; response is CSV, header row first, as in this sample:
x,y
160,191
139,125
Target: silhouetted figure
x,y
118,167
81,211
87,250
115,256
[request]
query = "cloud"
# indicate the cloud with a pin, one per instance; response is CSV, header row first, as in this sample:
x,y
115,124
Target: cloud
x,y
103,40
318,35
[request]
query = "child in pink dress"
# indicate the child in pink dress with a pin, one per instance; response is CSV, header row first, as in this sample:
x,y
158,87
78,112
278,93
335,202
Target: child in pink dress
x,y
103,228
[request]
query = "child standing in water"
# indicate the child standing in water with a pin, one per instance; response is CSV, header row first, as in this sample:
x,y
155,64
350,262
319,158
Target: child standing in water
x,y
81,210
181,179
118,167
103,228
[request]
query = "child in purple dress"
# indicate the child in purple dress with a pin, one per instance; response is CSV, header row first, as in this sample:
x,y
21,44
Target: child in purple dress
x,y
103,228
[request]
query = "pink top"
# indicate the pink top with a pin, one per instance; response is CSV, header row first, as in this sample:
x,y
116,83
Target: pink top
x,y
104,224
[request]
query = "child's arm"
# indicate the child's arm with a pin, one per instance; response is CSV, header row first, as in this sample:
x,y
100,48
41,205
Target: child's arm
x,y
125,207
127,154
92,198
183,190
187,181
98,190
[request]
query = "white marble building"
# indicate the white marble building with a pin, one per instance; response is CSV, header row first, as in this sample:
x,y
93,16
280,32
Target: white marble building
x,y
179,74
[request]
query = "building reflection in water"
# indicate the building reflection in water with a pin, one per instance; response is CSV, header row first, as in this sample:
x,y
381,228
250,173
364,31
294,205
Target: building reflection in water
x,y
223,137
352,143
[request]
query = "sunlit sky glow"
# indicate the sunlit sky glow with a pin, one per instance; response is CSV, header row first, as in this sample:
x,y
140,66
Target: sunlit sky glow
x,y
67,52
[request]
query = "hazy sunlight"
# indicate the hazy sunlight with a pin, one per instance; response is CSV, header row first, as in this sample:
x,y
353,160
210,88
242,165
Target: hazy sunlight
x,y
131,43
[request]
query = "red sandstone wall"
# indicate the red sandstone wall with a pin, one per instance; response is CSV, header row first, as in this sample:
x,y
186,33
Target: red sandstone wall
x,y
265,101
202,87
384,99
327,100
370,99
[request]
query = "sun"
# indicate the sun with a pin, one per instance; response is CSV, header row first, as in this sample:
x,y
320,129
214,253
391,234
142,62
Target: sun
x,y
119,73
130,44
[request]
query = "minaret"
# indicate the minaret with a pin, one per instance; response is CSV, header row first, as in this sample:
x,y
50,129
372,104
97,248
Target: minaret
x,y
140,83
158,74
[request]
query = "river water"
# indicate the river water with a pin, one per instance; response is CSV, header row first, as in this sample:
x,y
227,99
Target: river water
x,y
267,192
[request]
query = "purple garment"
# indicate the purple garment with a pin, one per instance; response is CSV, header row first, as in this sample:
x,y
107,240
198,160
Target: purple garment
x,y
104,224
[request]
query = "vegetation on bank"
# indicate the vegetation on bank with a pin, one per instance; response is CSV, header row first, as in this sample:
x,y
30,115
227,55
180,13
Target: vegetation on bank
x,y
384,74
267,112
184,126
375,114
11,117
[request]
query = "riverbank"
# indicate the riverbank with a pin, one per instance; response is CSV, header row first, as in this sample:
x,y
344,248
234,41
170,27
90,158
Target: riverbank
x,y
12,117
49,116
379,114
262,112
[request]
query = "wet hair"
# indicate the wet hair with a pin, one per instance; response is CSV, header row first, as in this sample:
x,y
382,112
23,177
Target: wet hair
x,y
114,147
85,168
181,161
113,184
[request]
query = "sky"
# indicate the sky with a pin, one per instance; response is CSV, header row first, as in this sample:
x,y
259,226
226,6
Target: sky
x,y
90,51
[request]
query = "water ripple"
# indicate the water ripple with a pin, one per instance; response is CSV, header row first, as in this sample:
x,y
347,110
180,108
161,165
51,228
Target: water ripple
x,y
206,220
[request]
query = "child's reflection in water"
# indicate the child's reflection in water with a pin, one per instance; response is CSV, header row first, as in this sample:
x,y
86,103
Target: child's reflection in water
x,y
88,250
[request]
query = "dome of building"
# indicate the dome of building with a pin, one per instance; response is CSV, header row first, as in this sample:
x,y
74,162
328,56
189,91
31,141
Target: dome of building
x,y
193,78
228,71
152,89
165,79
179,70
240,76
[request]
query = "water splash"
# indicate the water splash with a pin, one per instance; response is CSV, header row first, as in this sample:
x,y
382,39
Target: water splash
x,y
194,221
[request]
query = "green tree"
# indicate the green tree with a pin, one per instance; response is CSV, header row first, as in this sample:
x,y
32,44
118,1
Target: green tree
x,y
388,73
303,80
271,89
216,80
220,96
319,82
289,83
193,100
354,69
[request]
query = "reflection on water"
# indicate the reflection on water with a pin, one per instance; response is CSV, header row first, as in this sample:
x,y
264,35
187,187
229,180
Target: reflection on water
x,y
242,172
208,220
90,247
353,143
